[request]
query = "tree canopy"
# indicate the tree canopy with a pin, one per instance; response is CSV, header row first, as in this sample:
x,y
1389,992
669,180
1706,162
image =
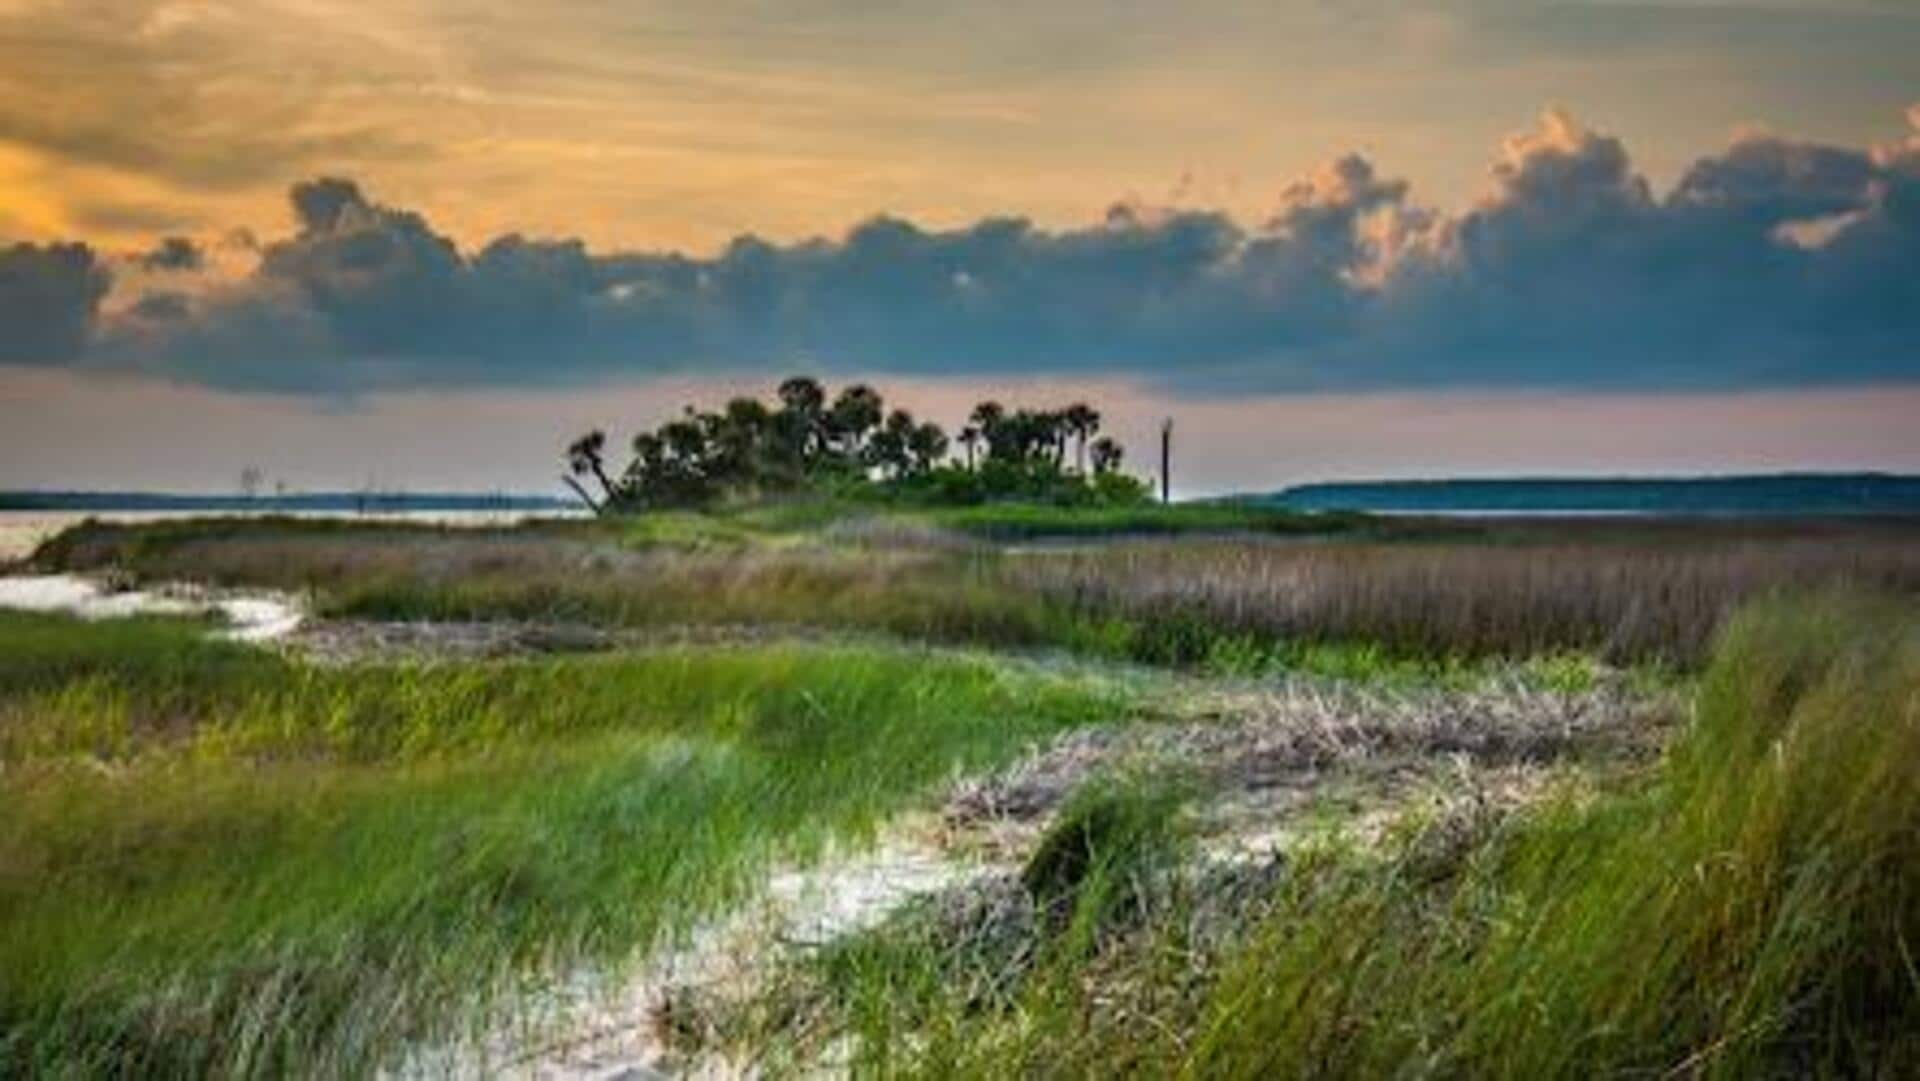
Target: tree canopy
x,y
849,443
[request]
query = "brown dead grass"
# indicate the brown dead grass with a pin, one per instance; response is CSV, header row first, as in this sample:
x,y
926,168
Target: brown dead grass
x,y
1637,598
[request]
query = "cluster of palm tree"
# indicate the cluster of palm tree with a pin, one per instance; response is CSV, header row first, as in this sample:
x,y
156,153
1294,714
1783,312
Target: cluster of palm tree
x,y
847,441
1027,438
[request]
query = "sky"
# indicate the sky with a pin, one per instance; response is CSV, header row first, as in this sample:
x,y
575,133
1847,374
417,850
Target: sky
x,y
421,243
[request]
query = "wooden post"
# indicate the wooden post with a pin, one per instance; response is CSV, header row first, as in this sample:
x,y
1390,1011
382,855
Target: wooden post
x,y
1166,460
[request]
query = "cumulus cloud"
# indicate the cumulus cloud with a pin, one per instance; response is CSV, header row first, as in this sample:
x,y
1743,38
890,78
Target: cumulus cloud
x,y
49,297
1774,262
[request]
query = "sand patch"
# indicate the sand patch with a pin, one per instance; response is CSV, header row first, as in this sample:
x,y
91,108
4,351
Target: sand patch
x,y
248,617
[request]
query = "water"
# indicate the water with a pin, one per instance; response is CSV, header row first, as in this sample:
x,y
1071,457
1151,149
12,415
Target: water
x,y
1768,495
249,617
22,530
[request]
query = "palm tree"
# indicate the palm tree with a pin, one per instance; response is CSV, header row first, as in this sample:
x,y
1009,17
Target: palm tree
x,y
1082,421
1030,438
685,471
990,418
1106,455
747,413
1055,426
738,437
802,418
803,394
969,438
928,444
855,412
686,440
587,455
888,448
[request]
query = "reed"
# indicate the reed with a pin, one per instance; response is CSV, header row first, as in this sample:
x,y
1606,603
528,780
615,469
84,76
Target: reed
x,y
1626,600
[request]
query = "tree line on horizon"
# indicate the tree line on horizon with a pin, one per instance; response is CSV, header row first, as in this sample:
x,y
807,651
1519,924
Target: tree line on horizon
x,y
851,444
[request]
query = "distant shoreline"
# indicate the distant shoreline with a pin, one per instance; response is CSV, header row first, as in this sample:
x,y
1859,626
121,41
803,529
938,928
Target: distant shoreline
x,y
1783,494
1787,494
304,502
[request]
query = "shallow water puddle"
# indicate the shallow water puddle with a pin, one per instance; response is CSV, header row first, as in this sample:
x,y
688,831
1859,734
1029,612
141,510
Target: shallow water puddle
x,y
250,617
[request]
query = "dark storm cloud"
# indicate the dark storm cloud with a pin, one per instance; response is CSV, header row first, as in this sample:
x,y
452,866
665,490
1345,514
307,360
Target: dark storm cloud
x,y
382,279
49,297
162,306
174,253
1773,263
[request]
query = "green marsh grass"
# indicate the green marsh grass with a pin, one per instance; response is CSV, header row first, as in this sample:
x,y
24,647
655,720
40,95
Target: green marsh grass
x,y
1753,913
1099,857
1748,909
257,867
1019,952
1036,522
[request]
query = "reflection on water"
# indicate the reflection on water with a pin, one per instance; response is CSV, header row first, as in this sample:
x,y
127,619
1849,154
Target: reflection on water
x,y
22,530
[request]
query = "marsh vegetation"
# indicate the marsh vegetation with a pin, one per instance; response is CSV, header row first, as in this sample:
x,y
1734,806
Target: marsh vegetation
x,y
1222,790
1744,908
1222,585
222,862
